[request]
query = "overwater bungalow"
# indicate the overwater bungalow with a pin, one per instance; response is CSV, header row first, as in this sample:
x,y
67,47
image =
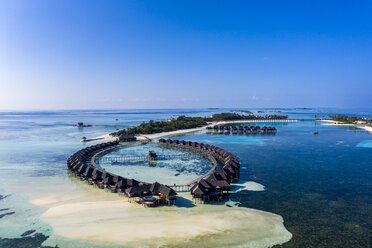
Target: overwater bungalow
x,y
97,175
122,184
154,188
82,169
140,190
210,188
222,184
198,191
127,138
132,182
108,180
88,172
167,193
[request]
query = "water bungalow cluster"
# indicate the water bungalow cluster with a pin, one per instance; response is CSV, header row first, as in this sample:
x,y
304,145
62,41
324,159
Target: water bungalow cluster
x,y
81,124
215,184
226,129
82,164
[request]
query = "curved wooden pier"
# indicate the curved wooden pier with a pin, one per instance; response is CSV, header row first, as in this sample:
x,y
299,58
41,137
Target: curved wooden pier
x,y
83,164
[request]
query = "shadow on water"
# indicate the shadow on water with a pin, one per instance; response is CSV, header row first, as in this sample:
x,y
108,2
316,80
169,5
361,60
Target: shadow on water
x,y
182,202
25,241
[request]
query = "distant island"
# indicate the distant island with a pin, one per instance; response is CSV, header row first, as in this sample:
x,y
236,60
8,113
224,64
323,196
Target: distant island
x,y
184,122
344,119
243,111
269,111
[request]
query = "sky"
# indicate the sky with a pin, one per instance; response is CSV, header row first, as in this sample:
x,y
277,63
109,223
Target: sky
x,y
184,54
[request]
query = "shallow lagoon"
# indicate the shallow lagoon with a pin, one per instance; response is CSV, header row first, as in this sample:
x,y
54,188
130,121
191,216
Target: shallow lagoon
x,y
320,185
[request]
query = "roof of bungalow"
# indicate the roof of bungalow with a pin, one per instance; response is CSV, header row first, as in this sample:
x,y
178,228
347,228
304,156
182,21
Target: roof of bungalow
x,y
218,183
138,190
198,189
132,182
222,174
167,191
154,188
205,184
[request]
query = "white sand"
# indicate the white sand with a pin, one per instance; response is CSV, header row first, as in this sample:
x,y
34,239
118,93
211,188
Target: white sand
x,y
335,123
80,211
119,223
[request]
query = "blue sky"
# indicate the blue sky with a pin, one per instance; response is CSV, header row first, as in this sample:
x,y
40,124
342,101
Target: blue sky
x,y
176,54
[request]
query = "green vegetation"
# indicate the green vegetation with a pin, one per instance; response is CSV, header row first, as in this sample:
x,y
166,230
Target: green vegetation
x,y
350,119
184,122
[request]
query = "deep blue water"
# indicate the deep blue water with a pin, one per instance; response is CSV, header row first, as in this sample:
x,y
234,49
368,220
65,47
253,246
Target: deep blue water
x,y
321,185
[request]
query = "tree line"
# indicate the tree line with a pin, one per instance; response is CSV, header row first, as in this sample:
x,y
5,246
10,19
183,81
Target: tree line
x,y
349,119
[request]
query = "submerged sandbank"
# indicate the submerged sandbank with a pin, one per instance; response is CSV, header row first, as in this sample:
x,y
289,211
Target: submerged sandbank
x,y
200,226
78,211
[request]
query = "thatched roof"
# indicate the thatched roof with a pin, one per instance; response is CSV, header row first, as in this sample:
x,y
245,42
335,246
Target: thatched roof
x,y
82,168
167,191
154,188
198,190
88,171
109,179
122,183
138,190
221,175
97,174
218,183
132,182
205,184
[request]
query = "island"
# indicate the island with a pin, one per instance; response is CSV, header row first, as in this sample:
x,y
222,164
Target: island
x,y
184,122
243,111
345,120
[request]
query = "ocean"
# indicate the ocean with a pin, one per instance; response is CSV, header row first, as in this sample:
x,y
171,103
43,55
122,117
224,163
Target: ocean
x,y
317,188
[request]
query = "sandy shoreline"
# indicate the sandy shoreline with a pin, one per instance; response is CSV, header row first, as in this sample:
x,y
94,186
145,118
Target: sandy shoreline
x,y
335,123
98,216
78,211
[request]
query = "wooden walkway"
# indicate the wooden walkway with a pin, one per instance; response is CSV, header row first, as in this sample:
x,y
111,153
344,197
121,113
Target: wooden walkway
x,y
134,158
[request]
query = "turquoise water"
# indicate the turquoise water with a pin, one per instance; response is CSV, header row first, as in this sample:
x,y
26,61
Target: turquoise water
x,y
365,143
173,171
321,185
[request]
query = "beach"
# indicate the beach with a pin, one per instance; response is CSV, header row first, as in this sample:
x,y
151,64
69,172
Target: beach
x,y
335,123
95,215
